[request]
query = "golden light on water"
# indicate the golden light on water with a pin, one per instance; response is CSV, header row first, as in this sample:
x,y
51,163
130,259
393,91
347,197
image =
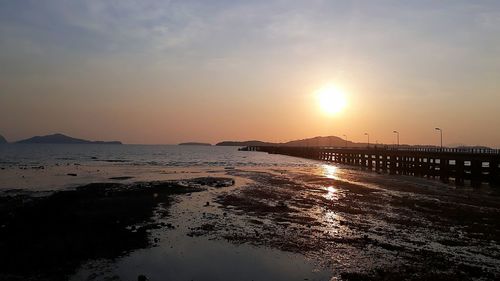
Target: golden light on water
x,y
331,99
331,193
330,171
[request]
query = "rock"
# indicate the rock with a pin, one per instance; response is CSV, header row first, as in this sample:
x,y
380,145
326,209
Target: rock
x,y
213,181
72,174
142,278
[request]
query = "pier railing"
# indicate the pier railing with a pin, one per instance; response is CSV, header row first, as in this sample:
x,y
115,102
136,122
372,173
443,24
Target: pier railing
x,y
429,149
475,165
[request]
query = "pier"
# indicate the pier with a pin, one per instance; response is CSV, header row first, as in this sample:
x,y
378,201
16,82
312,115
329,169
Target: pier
x,y
474,166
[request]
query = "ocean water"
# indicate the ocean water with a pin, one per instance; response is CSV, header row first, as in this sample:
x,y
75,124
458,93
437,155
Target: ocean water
x,y
56,166
138,155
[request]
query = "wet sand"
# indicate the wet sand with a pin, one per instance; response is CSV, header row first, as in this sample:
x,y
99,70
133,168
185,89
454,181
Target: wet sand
x,y
323,223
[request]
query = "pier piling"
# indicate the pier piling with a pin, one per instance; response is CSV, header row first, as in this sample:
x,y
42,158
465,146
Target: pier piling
x,y
476,166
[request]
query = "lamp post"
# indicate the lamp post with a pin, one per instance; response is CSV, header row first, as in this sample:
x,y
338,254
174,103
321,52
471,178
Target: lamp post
x,y
345,140
368,135
441,133
397,133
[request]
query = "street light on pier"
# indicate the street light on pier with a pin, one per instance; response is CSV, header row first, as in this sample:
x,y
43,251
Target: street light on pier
x,y
397,133
368,135
441,133
345,136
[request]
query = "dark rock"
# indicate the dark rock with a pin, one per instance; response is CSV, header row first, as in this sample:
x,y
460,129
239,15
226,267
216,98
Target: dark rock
x,y
121,178
213,181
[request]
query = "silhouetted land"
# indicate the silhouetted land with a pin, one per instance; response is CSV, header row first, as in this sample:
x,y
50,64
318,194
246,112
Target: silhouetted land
x,y
316,141
2,139
327,141
196,143
63,139
245,143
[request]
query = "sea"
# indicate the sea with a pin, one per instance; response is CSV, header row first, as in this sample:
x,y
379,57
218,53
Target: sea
x,y
58,166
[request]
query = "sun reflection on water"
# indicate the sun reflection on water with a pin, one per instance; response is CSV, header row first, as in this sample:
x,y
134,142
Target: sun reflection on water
x,y
330,171
331,193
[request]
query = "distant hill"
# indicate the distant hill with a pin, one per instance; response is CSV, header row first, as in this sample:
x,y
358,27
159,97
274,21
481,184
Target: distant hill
x,y
195,143
63,139
246,143
316,141
2,139
324,141
333,141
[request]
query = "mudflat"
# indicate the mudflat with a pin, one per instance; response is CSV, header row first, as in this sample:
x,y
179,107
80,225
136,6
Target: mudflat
x,y
339,224
48,236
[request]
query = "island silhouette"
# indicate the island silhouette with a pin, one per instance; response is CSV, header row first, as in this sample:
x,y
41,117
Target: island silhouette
x,y
62,139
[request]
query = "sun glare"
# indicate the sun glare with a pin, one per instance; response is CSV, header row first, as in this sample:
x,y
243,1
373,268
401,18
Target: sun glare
x,y
331,100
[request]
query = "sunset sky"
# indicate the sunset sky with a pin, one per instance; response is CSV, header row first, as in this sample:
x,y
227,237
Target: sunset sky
x,y
158,72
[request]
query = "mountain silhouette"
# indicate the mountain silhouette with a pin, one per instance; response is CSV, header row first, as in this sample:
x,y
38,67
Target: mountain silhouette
x,y
316,141
63,139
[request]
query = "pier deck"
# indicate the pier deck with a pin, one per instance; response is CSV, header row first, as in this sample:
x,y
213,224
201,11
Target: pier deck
x,y
476,166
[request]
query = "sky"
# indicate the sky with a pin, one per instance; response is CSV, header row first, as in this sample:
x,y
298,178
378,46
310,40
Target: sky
x,y
163,72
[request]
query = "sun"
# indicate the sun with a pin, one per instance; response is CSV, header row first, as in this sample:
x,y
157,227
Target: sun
x,y
331,100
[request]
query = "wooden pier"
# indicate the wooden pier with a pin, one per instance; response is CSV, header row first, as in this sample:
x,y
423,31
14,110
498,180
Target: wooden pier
x,y
475,166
